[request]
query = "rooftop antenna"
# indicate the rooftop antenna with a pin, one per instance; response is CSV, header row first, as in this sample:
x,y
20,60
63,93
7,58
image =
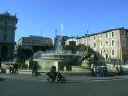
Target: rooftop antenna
x,y
62,29
15,14
87,32
55,32
41,32
87,40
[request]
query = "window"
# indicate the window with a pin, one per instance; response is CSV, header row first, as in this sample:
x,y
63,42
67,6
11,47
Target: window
x,y
106,43
101,35
94,45
112,52
72,43
112,42
106,56
101,44
6,22
112,34
89,38
123,42
123,33
94,37
101,52
106,35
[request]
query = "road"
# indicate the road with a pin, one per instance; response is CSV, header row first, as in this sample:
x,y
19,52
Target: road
x,y
38,87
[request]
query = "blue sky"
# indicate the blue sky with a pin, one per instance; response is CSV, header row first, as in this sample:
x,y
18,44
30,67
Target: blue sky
x,y
42,17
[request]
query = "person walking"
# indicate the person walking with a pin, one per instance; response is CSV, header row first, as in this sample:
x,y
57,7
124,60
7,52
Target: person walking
x,y
15,68
11,70
120,69
92,69
34,70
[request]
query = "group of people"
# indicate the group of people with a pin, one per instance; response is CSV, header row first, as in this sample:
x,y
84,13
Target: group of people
x,y
13,68
99,71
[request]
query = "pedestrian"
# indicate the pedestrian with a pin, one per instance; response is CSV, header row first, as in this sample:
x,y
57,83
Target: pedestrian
x,y
95,70
117,69
105,71
98,71
15,68
11,69
92,69
120,69
34,70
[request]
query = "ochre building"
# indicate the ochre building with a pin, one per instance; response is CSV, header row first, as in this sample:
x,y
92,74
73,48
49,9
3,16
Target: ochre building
x,y
111,44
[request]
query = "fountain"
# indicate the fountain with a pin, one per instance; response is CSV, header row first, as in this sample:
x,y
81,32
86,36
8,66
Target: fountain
x,y
62,59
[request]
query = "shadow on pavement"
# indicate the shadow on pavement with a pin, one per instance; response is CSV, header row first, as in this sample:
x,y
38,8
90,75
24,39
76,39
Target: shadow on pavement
x,y
72,81
1,79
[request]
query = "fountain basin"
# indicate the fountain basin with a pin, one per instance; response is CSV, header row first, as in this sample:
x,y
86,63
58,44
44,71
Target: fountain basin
x,y
61,61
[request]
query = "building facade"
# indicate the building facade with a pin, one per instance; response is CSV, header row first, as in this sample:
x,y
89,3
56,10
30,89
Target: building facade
x,y
111,44
7,36
31,41
71,41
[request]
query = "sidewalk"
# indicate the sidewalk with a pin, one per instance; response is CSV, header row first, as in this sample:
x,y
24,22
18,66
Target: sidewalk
x,y
70,76
78,75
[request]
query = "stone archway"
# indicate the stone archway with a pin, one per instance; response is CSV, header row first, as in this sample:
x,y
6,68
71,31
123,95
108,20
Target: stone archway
x,y
4,53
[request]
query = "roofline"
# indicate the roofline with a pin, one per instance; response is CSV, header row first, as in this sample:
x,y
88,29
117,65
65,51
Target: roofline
x,y
105,31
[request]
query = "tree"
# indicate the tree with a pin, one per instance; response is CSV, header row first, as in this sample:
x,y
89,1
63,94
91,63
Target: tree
x,y
23,54
41,48
125,57
71,47
87,53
